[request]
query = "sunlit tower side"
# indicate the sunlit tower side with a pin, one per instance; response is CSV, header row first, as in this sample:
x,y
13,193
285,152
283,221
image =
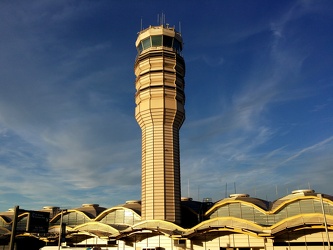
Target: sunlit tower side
x,y
160,99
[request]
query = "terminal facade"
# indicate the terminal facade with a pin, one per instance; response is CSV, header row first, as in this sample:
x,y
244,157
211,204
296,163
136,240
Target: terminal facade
x,y
162,219
301,220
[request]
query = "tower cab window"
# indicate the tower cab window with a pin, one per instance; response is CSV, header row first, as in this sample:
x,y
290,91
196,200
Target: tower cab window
x,y
156,41
146,43
167,41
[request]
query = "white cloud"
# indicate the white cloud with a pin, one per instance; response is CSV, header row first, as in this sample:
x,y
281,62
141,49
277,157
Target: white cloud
x,y
310,148
242,143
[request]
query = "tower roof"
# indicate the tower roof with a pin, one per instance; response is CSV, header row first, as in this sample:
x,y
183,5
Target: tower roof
x,y
158,30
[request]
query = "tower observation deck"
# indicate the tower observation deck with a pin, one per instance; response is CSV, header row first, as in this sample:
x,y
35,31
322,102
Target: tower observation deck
x,y
160,99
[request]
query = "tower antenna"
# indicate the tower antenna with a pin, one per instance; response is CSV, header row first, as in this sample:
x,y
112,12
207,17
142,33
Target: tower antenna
x,y
180,27
161,20
141,25
226,190
276,192
198,193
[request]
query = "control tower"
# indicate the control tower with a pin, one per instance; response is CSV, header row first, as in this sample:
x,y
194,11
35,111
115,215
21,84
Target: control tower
x,y
160,99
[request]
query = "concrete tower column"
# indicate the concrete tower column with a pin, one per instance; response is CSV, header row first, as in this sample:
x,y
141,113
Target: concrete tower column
x,y
160,99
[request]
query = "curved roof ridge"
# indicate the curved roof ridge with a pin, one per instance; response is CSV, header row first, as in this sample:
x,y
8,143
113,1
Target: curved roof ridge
x,y
58,215
283,202
87,224
4,230
6,219
233,225
302,220
109,210
159,225
226,201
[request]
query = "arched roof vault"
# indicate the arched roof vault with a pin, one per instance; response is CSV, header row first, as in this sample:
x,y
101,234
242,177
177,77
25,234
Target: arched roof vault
x,y
58,216
227,201
155,227
278,205
100,229
82,232
110,210
237,225
4,230
227,224
4,220
302,221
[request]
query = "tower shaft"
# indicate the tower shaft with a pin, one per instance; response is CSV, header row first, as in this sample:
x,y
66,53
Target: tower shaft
x,y
160,70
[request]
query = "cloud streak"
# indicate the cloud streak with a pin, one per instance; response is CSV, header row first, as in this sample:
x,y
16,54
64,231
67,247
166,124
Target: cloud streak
x,y
310,148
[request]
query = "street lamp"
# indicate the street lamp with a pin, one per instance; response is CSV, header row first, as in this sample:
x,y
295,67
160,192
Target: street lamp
x,y
61,227
325,221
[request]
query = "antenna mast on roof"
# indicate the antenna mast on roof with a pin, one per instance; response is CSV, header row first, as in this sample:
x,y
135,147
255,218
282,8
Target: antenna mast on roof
x,y
198,193
179,27
276,192
226,190
141,25
161,20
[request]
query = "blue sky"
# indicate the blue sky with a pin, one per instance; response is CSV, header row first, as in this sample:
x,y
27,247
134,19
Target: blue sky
x,y
259,99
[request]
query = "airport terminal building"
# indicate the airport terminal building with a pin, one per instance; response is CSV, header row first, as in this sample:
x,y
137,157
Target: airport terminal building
x,y
162,219
301,220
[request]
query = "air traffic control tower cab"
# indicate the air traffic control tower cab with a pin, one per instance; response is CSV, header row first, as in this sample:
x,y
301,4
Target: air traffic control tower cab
x,y
158,36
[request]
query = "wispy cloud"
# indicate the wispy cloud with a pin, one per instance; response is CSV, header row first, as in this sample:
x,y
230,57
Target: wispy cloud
x,y
242,142
310,148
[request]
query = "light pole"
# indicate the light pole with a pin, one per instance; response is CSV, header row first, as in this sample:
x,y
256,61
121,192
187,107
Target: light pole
x,y
14,225
325,221
60,227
